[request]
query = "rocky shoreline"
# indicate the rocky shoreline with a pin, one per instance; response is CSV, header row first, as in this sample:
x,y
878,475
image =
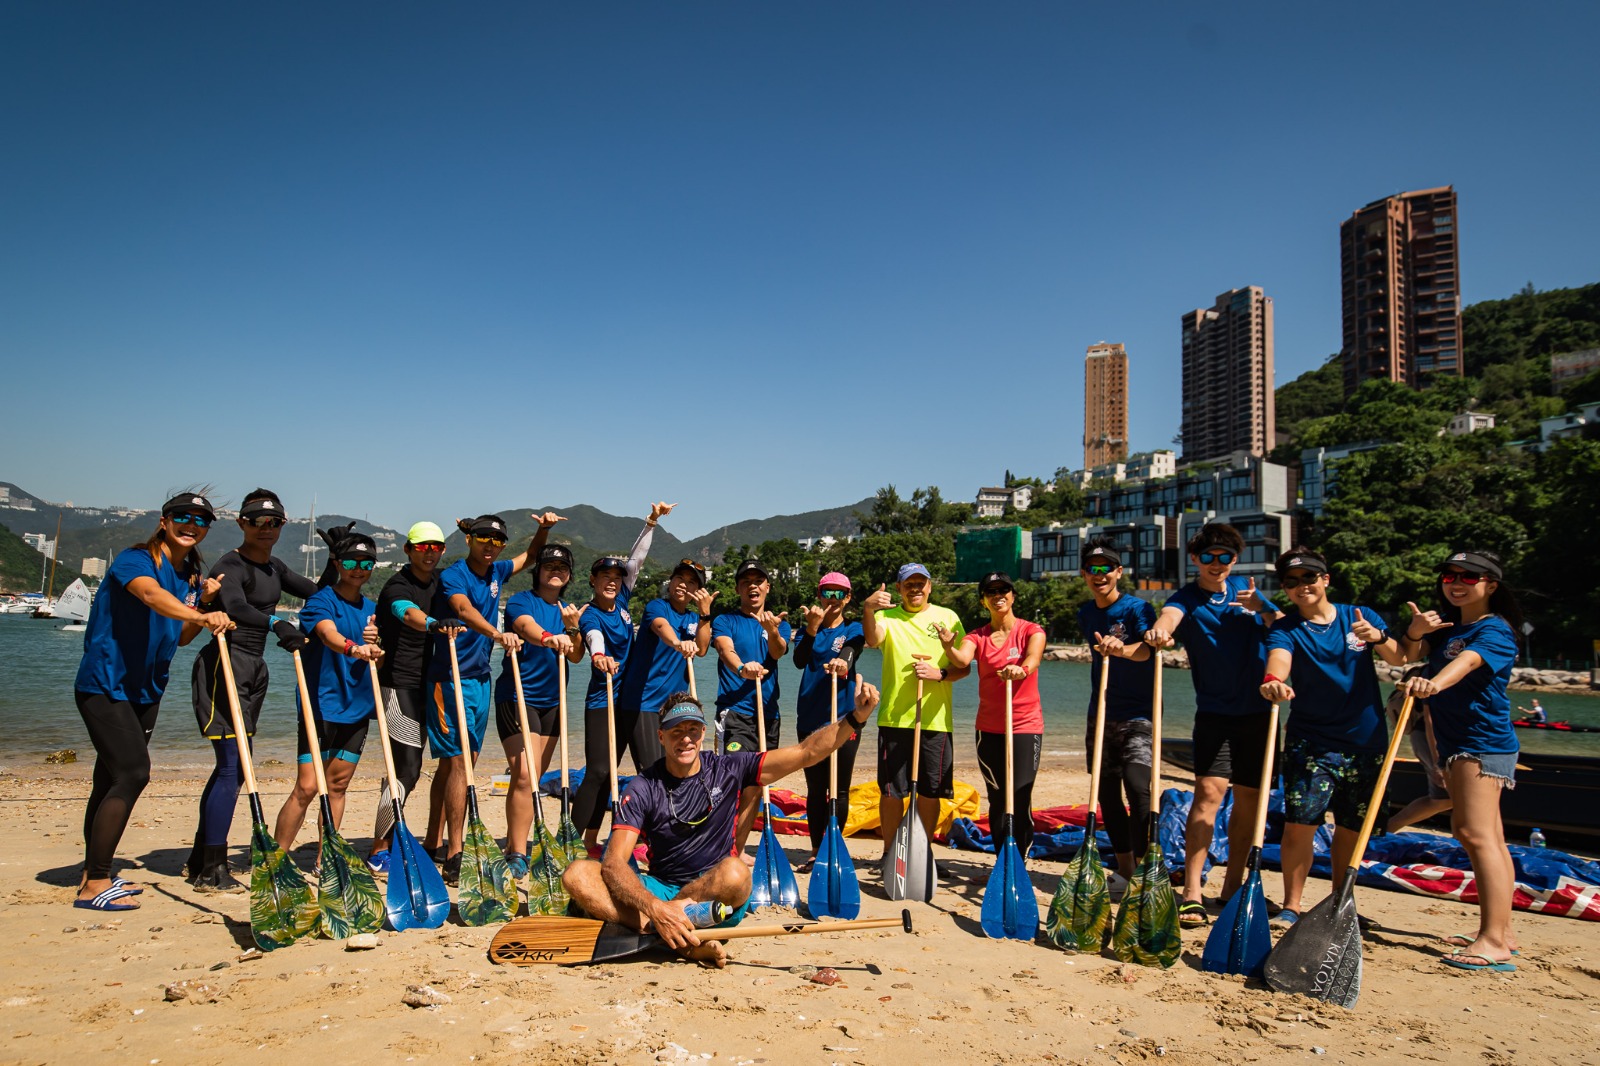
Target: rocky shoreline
x,y
1523,678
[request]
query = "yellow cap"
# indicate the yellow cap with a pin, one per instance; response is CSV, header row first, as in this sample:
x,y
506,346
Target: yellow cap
x,y
425,532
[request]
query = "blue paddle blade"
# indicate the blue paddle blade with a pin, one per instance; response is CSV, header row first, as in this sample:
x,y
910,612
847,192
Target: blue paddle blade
x,y
1239,942
834,891
416,897
772,882
1010,911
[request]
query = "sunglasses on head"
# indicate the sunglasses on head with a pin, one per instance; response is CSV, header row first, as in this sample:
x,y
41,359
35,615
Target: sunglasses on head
x,y
1099,569
833,594
428,547
357,564
1292,582
264,521
1216,557
498,541
191,520
1450,577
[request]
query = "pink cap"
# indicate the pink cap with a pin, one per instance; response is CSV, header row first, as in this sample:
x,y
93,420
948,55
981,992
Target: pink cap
x,y
834,579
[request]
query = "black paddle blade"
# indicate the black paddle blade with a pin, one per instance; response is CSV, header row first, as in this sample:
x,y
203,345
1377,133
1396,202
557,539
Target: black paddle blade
x,y
1320,954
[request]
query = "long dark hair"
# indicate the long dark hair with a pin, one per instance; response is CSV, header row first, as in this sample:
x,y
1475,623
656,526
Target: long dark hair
x,y
1502,601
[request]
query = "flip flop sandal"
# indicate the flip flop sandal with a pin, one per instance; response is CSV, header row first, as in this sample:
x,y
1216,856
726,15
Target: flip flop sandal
x,y
127,886
1462,940
1463,962
1193,915
107,901
1285,918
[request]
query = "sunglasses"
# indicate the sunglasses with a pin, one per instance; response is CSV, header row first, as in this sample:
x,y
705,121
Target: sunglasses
x,y
833,594
199,520
997,591
693,804
1450,577
357,564
431,547
1216,557
1099,569
1296,582
264,522
498,541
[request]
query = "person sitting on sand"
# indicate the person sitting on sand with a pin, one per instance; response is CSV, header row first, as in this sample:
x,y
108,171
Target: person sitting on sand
x,y
686,804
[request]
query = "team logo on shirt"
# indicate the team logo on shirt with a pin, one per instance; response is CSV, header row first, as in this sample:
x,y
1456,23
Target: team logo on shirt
x,y
627,621
716,794
1455,647
1354,643
1013,653
1119,630
691,628
733,745
933,630
191,599
838,644
494,588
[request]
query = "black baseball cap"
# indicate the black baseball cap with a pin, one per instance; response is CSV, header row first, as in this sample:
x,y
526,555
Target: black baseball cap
x,y
262,505
487,525
1474,563
995,580
694,568
1301,561
359,546
189,503
608,562
1105,554
555,553
751,566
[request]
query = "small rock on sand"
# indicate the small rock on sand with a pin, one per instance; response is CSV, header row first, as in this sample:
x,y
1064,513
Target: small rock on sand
x,y
362,942
192,991
424,996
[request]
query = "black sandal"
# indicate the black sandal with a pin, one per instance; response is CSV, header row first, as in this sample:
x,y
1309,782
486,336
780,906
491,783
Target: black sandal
x,y
1192,914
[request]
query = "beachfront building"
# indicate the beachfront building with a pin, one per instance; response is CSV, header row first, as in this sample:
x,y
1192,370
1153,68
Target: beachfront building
x,y
992,501
1152,519
1400,280
1105,404
94,568
1228,402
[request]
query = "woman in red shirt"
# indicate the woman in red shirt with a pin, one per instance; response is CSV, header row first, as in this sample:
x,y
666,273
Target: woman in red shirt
x,y
1008,648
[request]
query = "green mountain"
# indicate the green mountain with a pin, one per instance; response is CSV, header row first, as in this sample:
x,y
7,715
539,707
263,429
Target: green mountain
x,y
839,522
21,568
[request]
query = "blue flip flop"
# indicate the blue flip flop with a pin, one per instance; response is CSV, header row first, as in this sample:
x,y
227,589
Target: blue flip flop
x,y
1460,962
107,901
1461,940
127,886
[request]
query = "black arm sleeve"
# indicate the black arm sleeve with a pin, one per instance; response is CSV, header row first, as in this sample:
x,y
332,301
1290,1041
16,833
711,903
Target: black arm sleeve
x,y
231,569
852,651
293,583
802,650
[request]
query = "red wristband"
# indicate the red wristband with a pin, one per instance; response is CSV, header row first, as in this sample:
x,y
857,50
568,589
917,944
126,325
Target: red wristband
x,y
349,645
1270,678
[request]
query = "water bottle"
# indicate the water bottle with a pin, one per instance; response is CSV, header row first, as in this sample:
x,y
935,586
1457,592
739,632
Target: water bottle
x,y
705,915
1536,838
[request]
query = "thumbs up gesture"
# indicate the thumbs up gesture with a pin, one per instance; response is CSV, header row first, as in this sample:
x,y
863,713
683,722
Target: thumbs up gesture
x,y
878,601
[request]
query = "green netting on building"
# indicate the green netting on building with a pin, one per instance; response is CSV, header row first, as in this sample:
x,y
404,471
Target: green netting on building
x,y
986,550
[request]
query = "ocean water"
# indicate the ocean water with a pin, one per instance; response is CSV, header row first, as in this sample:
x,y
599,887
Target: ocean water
x,y
38,715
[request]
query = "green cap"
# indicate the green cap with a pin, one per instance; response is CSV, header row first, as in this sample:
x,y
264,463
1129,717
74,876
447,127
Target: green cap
x,y
425,533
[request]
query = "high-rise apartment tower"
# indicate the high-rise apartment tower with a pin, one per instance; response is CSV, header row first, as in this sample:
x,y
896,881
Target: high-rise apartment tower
x,y
1400,275
1105,405
1227,377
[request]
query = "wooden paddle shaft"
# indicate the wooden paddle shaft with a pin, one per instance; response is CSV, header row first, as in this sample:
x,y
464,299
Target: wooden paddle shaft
x,y
802,928
383,731
527,734
1006,810
688,662
916,731
611,744
232,689
561,704
461,713
1099,733
1264,793
761,737
1383,782
1155,736
833,756
310,720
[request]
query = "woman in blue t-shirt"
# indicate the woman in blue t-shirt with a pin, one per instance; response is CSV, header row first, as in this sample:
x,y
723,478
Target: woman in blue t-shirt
x,y
144,610
1337,733
826,654
1470,644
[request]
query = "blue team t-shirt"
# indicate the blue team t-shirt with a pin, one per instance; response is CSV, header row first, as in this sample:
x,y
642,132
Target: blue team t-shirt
x,y
813,704
540,679
655,670
1474,715
1337,702
689,821
341,686
1226,657
616,630
1129,691
750,645
127,647
472,647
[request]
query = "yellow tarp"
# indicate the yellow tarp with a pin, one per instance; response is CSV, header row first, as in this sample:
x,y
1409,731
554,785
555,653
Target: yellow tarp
x,y
864,809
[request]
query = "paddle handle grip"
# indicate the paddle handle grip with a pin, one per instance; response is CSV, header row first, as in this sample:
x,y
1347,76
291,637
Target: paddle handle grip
x,y
1383,783
807,928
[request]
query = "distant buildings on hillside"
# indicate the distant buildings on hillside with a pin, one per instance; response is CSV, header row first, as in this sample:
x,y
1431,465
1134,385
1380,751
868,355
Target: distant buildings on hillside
x,y
1228,377
1105,404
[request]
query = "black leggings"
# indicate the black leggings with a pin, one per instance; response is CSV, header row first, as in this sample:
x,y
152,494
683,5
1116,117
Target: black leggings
x,y
636,730
1125,769
817,790
1026,749
120,732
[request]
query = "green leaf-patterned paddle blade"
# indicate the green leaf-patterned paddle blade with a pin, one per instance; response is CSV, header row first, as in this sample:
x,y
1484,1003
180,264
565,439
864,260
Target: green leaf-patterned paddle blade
x,y
488,896
570,841
1081,907
1146,929
348,901
545,892
282,909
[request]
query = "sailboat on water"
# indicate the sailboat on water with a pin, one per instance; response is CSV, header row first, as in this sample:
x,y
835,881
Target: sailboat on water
x,y
73,606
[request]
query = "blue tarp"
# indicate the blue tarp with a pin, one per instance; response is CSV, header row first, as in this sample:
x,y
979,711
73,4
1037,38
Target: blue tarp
x,y
550,783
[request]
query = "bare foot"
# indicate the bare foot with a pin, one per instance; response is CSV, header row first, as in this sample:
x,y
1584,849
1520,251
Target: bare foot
x,y
748,860
710,954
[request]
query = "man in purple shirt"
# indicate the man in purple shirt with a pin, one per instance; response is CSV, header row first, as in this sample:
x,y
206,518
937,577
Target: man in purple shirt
x,y
686,805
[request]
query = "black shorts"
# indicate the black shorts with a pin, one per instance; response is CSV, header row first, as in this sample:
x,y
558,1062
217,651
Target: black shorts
x,y
936,776
336,740
542,721
737,732
1129,744
1232,746
211,710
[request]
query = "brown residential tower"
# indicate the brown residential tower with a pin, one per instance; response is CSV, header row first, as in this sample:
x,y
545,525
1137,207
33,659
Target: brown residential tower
x,y
1105,405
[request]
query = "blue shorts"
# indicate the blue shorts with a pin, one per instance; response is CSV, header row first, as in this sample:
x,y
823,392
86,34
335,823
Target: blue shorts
x,y
476,697
663,890
1502,766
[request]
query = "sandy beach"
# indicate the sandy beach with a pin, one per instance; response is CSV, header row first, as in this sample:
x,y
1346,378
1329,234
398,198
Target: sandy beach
x,y
86,986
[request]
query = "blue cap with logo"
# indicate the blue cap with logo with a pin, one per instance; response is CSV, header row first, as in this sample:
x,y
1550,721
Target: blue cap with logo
x,y
911,570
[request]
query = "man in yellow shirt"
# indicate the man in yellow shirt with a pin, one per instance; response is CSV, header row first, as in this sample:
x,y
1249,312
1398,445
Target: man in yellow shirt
x,y
903,633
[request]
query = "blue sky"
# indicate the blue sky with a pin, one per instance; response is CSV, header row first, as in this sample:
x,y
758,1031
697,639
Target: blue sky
x,y
425,261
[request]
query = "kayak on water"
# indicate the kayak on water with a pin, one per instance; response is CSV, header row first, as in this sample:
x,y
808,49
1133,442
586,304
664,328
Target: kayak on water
x,y
1565,727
